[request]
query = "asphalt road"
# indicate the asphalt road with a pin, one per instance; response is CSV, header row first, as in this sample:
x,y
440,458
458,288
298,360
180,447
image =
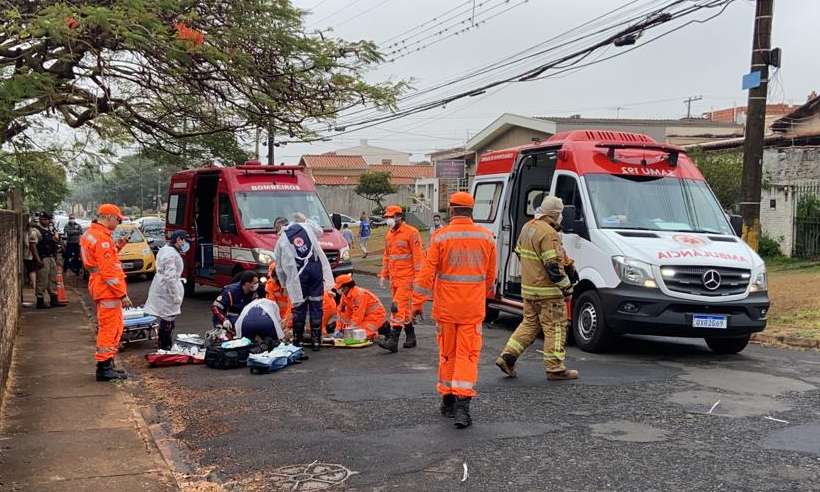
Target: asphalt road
x,y
638,419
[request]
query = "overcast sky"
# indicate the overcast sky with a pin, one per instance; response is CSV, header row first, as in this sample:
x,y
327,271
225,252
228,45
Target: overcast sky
x,y
702,59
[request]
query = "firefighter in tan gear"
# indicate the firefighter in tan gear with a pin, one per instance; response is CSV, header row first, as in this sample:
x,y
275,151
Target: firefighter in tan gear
x,y
544,286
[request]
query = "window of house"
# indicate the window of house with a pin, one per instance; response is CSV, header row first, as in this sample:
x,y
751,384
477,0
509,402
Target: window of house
x,y
487,201
772,203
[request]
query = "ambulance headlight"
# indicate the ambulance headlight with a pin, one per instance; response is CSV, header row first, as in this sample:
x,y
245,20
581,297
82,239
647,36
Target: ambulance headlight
x,y
759,283
634,272
263,256
344,253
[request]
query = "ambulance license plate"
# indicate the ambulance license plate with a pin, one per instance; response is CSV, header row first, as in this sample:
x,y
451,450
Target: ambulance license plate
x,y
709,321
127,266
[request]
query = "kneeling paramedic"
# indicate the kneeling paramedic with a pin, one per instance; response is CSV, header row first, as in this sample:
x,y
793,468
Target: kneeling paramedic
x,y
403,257
106,285
261,323
303,268
167,289
459,275
232,300
544,285
360,308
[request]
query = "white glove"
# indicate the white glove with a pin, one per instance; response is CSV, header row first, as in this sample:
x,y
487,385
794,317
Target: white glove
x,y
381,282
183,280
227,325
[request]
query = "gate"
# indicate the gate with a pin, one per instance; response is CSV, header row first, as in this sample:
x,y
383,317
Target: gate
x,y
807,220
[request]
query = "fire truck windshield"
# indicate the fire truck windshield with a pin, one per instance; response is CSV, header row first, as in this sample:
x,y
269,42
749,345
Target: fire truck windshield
x,y
660,204
259,209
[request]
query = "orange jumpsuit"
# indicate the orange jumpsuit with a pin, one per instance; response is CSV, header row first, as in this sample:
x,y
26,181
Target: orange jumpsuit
x,y
403,257
459,275
360,308
277,294
328,309
107,287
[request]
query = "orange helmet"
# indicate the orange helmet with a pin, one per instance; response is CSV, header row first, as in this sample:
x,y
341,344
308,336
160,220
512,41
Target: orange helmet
x,y
109,209
392,210
462,199
343,279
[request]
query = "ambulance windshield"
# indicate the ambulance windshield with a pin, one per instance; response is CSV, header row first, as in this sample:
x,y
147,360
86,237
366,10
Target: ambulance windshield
x,y
258,209
655,203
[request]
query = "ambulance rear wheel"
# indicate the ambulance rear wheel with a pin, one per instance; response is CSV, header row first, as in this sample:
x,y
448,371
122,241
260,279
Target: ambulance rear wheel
x,y
589,328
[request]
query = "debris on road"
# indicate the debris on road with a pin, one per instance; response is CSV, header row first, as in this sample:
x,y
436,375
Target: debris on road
x,y
767,417
466,474
713,407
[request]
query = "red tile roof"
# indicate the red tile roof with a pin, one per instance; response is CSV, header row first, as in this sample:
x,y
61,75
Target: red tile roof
x,y
336,180
334,161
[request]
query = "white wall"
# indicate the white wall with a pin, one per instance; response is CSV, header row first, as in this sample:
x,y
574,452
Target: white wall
x,y
778,222
344,200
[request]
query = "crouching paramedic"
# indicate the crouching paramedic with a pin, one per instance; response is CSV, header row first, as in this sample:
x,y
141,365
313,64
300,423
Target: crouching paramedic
x,y
261,322
106,285
229,304
403,256
544,285
459,275
359,308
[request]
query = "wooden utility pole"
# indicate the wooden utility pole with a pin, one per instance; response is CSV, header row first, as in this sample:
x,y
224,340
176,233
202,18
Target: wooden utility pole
x,y
270,144
756,124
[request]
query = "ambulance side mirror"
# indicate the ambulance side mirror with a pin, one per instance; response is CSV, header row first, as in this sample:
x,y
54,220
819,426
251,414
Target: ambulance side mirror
x,y
737,224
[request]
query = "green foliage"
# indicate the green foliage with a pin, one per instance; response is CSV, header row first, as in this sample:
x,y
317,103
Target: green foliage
x,y
161,70
723,171
808,207
37,175
374,186
768,247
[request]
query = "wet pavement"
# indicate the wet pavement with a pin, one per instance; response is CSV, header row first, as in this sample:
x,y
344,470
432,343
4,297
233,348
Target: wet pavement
x,y
653,414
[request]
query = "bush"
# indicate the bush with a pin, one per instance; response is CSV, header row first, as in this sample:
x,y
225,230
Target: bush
x,y
723,171
768,247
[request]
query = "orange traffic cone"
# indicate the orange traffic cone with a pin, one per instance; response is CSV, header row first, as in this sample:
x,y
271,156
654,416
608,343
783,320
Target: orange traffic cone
x,y
62,299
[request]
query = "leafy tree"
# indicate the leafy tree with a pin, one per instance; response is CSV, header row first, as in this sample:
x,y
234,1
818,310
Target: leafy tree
x,y
41,179
374,186
723,171
163,71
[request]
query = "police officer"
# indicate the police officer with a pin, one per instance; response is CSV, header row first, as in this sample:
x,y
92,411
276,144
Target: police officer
x,y
46,249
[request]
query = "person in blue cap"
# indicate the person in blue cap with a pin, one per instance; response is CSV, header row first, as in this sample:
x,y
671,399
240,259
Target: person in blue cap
x,y
167,289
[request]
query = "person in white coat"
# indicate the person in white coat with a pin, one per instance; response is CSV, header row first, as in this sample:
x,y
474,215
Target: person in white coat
x,y
167,289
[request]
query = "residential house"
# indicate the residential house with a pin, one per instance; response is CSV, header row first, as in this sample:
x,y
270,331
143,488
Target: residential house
x,y
376,155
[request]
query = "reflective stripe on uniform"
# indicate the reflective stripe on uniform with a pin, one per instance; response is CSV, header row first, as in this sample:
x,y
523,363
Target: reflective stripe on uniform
x,y
399,257
517,348
461,235
422,291
446,383
461,384
461,278
541,291
90,238
401,243
549,254
564,283
106,350
110,303
315,298
112,281
527,254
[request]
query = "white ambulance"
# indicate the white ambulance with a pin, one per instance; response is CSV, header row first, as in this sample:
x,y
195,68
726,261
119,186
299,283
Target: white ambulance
x,y
655,253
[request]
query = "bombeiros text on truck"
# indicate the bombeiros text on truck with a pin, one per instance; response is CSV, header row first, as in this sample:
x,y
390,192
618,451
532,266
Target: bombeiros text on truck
x,y
655,252
229,213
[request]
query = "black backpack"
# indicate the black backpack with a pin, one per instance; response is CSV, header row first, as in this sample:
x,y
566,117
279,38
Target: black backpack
x,y
217,357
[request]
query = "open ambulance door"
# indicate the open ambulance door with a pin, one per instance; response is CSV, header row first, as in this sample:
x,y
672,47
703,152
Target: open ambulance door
x,y
530,182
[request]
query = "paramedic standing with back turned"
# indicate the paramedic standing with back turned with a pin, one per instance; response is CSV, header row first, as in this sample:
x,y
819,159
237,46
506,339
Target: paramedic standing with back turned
x,y
544,285
459,275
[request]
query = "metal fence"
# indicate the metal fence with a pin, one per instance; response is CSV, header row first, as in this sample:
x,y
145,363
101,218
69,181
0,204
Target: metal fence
x,y
10,290
807,220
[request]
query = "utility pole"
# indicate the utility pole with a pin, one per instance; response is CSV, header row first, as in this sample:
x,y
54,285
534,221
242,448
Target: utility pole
x,y
688,102
270,143
756,124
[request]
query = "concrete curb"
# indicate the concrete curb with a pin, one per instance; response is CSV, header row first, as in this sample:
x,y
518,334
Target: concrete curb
x,y
789,341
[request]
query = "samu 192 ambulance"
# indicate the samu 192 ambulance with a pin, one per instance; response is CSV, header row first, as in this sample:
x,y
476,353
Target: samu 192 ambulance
x,y
655,253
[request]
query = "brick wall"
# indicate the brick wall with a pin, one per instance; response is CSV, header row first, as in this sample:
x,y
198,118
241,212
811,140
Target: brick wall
x,y
10,260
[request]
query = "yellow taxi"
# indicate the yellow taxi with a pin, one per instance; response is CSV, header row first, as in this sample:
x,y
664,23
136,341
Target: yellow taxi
x,y
136,256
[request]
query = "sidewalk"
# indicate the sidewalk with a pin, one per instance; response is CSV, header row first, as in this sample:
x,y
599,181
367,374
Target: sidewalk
x,y
62,430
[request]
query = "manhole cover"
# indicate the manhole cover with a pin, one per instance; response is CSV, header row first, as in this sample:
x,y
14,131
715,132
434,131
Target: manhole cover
x,y
313,476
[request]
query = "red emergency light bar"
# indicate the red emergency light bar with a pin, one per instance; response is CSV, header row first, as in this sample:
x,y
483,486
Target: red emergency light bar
x,y
255,166
673,151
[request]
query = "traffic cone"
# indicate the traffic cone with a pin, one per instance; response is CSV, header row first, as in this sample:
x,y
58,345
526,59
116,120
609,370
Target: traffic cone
x,y
62,299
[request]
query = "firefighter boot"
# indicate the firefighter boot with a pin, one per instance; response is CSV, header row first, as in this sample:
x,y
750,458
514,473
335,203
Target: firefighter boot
x,y
106,372
41,303
315,339
565,375
117,369
506,362
448,403
298,333
391,341
409,336
461,412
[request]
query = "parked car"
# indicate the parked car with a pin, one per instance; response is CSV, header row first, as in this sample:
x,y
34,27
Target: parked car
x,y
153,228
351,222
136,257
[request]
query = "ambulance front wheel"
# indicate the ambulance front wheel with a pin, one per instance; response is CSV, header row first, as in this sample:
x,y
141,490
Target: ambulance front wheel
x,y
589,328
728,346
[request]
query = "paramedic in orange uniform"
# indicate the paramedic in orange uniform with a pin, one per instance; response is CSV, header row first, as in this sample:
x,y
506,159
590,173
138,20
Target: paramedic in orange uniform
x,y
359,308
328,311
459,275
107,287
277,294
403,257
